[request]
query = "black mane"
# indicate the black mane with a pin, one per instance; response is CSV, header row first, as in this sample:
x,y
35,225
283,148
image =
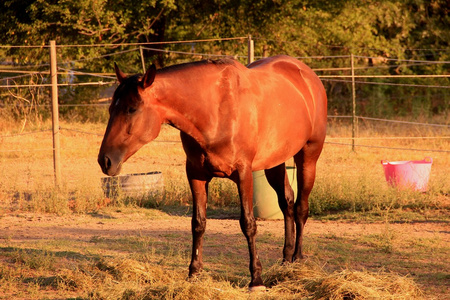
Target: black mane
x,y
177,67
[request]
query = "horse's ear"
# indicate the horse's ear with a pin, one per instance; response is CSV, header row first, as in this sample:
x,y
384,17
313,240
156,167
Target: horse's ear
x,y
120,75
149,77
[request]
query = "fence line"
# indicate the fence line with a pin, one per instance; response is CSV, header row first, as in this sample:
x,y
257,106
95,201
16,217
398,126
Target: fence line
x,y
391,148
328,138
27,150
193,53
101,56
105,75
326,142
205,54
64,105
353,47
330,116
421,62
24,133
208,40
390,138
404,122
323,79
409,60
80,131
59,84
389,120
375,67
250,54
101,75
130,44
389,83
46,72
385,76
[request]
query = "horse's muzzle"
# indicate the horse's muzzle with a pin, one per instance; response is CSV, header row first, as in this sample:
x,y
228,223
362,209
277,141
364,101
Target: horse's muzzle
x,y
109,166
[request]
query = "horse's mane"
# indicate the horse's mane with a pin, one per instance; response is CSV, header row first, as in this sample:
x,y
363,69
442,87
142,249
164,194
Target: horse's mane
x,y
179,67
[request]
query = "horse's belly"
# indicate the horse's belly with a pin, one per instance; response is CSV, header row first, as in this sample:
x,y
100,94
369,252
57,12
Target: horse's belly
x,y
284,126
279,146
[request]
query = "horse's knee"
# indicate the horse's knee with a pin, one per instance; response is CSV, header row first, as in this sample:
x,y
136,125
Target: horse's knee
x,y
286,202
290,200
199,225
248,226
302,209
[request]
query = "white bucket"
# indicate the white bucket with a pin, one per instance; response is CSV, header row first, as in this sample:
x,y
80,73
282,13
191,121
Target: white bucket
x,y
133,185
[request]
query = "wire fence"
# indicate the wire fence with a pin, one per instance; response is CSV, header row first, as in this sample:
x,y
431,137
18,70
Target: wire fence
x,y
329,140
331,78
108,79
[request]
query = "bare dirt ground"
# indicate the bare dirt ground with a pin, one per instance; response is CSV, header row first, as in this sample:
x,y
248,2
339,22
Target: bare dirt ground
x,y
19,229
26,226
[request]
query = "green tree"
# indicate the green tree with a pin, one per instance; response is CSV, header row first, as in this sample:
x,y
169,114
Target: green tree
x,y
404,29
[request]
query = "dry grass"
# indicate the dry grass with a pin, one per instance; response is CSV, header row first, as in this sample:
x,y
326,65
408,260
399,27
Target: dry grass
x,y
347,181
135,253
293,281
123,278
310,281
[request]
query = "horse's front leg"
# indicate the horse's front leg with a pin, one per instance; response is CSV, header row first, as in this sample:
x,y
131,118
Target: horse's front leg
x,y
199,188
248,225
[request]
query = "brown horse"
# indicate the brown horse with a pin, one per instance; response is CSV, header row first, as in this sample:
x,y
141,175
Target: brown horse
x,y
233,120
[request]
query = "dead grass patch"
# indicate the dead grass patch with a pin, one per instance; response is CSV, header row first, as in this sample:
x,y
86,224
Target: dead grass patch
x,y
129,279
308,280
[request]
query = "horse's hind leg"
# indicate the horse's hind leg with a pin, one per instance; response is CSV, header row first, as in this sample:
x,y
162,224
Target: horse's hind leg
x,y
305,161
278,180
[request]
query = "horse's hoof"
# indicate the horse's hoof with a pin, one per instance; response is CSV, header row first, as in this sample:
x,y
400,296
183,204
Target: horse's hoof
x,y
194,276
257,288
193,279
301,257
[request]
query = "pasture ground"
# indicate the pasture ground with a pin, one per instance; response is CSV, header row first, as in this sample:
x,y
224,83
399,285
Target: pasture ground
x,y
72,243
37,248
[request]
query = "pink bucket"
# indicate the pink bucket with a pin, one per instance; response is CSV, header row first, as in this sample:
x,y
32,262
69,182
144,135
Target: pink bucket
x,y
408,174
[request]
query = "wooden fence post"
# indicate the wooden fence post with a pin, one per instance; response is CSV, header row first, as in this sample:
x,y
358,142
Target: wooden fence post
x,y
354,119
251,50
142,59
55,115
265,50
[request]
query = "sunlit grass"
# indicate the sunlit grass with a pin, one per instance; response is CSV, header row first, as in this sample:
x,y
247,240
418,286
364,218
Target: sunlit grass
x,y
349,185
350,181
154,265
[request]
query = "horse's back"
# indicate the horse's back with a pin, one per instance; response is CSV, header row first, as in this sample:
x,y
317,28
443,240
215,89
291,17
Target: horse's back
x,y
299,75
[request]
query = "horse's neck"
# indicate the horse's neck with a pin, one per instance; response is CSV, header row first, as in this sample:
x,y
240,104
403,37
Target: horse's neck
x,y
178,106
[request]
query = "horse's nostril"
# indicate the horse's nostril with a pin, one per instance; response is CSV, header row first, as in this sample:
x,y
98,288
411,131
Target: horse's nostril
x,y
107,162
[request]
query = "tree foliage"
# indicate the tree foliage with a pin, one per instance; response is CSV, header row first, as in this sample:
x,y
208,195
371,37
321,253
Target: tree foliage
x,y
369,27
402,29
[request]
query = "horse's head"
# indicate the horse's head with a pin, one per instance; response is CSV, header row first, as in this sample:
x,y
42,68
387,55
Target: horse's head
x,y
132,121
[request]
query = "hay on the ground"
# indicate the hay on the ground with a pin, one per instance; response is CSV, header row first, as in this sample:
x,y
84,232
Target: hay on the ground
x,y
132,279
308,280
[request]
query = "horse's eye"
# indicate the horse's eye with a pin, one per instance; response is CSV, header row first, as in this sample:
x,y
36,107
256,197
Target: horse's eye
x,y
131,110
